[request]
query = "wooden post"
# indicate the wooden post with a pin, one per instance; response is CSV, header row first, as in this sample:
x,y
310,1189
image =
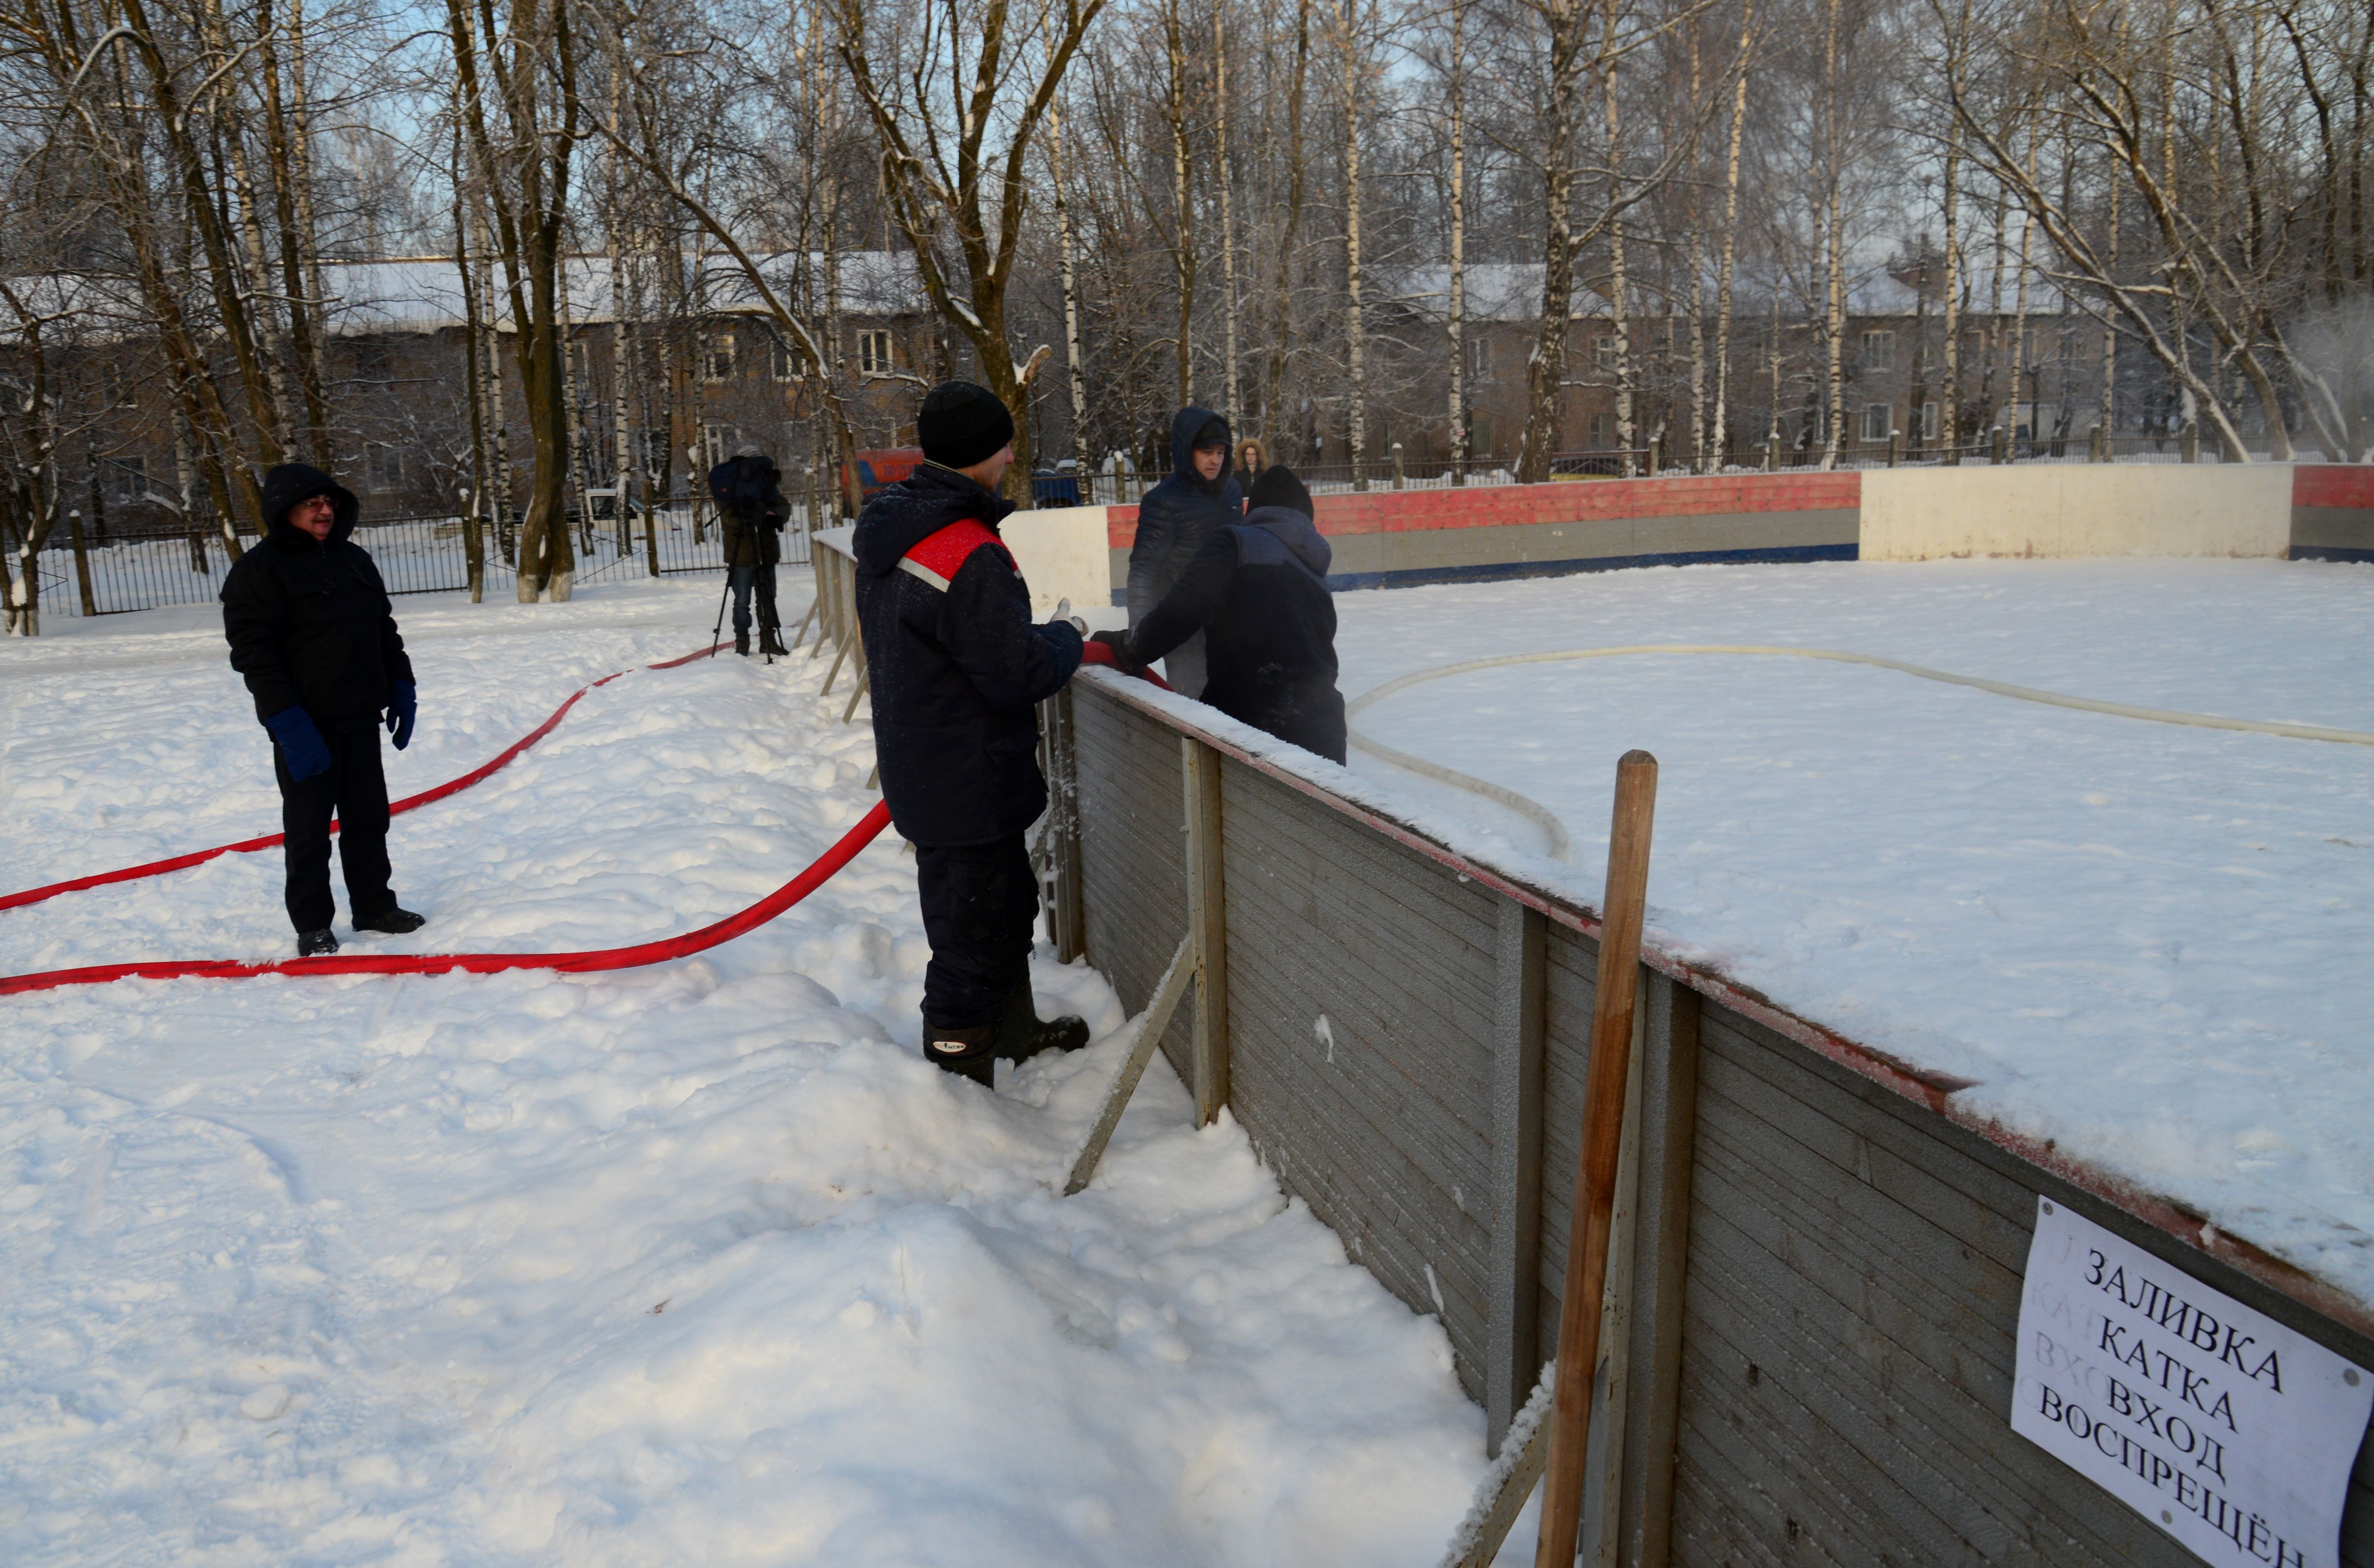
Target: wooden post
x,y
1667,1134
82,562
1514,1353
2096,449
1611,1388
1207,922
1594,1188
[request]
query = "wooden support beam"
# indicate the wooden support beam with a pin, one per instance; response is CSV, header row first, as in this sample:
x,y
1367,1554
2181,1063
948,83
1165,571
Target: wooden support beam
x,y
1667,1150
1207,920
1514,1347
1151,1023
1613,1382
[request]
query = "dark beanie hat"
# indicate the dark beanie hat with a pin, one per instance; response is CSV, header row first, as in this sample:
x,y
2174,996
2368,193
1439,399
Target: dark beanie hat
x,y
962,424
1278,487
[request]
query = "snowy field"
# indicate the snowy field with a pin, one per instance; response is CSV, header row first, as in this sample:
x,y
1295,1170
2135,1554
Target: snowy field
x,y
692,1264
2152,943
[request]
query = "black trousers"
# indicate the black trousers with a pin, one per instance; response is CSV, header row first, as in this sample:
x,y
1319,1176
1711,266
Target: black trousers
x,y
980,905
355,789
745,578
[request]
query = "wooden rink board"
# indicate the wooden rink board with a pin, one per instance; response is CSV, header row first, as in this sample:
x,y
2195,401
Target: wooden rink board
x,y
1815,1361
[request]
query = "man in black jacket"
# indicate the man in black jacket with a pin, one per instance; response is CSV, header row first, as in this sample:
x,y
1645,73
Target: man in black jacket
x,y
749,496
956,667
1177,515
313,634
1258,592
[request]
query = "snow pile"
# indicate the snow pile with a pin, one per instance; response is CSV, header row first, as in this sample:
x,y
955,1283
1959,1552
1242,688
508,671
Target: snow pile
x,y
692,1263
2145,941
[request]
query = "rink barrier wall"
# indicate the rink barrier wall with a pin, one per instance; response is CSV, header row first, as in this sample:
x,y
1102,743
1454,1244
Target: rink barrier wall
x,y
1815,1277
1387,539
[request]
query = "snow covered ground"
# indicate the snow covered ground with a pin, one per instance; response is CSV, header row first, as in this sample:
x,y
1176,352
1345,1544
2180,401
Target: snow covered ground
x,y
2149,942
697,1263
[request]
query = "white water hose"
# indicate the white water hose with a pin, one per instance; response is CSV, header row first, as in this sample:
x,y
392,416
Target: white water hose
x,y
1548,821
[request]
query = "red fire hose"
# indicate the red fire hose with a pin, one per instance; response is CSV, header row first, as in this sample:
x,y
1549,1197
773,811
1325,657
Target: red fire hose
x,y
868,828
248,846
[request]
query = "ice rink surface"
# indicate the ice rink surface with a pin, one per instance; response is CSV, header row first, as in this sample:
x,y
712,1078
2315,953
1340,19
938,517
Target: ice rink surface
x,y
692,1264
2153,943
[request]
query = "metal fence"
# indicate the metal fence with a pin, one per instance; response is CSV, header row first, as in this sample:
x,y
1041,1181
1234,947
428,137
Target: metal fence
x,y
150,570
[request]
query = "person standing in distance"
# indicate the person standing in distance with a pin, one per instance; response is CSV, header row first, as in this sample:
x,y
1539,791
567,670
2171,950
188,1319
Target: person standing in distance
x,y
750,495
1174,520
314,635
956,667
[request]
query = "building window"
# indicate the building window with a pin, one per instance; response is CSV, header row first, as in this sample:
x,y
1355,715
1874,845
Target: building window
x,y
1974,347
785,364
1928,421
1875,421
385,466
1599,429
717,356
1603,351
1479,359
1879,350
873,353
717,441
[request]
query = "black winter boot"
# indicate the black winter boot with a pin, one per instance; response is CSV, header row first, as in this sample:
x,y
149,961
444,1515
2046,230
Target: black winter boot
x,y
968,1052
1022,1035
315,944
393,921
742,640
771,642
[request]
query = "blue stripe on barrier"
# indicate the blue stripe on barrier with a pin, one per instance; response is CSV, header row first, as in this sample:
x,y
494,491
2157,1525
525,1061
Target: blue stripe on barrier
x,y
2331,552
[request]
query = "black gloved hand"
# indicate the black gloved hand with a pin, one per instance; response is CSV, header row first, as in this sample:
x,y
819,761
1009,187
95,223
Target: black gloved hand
x,y
1123,659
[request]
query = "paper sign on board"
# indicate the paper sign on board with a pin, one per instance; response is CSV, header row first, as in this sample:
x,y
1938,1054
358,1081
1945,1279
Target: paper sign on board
x,y
2232,1432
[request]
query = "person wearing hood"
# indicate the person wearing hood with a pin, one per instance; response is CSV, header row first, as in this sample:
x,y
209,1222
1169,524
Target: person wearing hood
x,y
1257,593
956,669
749,494
1200,497
315,637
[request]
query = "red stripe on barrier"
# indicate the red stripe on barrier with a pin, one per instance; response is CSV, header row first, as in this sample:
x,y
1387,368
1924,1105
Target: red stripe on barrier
x,y
248,846
867,830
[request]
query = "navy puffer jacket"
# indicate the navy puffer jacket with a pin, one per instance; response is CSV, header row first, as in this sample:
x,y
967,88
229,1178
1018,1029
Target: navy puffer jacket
x,y
1174,521
955,662
309,620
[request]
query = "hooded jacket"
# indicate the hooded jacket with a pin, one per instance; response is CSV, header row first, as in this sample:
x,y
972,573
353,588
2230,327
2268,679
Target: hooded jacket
x,y
1258,591
955,663
309,620
1174,521
749,496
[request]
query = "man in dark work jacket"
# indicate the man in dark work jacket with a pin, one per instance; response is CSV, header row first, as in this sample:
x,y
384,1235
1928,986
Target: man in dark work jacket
x,y
313,634
1258,593
956,669
1177,515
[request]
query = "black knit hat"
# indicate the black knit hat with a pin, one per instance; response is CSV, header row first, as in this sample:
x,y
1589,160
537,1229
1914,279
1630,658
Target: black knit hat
x,y
961,423
1278,487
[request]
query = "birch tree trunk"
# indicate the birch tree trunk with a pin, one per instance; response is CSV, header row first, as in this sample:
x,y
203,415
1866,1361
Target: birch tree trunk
x,y
1721,439
1834,320
1080,384
1455,314
1282,327
1620,279
1546,375
1355,329
1227,176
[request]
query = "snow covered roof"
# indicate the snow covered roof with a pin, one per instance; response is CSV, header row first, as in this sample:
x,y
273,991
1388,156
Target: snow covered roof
x,y
1494,292
424,293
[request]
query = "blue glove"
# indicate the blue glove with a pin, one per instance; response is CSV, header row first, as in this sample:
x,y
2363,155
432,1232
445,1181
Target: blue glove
x,y
403,707
300,743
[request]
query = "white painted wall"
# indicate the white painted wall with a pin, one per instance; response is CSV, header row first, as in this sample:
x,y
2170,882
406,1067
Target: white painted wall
x,y
2076,509
1061,552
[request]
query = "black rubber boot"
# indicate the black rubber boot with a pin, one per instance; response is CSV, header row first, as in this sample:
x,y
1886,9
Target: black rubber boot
x,y
1022,1035
742,640
771,642
393,921
315,944
968,1052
